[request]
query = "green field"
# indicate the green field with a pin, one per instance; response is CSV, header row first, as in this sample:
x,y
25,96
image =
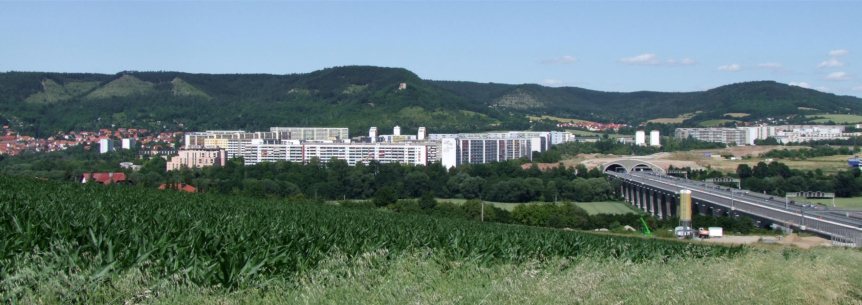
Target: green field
x,y
737,114
853,202
558,119
69,243
679,119
595,134
837,118
714,123
593,208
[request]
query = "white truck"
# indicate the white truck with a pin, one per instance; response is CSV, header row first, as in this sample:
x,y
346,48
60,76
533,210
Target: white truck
x,y
716,232
710,232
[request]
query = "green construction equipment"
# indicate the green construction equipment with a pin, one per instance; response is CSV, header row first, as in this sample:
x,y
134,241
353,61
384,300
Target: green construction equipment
x,y
646,229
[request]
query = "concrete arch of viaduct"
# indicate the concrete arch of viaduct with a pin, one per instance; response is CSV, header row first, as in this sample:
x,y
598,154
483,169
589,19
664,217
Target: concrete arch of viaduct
x,y
631,165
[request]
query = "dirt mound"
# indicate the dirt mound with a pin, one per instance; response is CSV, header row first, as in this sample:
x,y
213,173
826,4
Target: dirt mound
x,y
791,238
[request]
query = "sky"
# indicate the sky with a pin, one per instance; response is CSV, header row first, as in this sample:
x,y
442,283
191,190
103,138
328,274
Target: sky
x,y
608,46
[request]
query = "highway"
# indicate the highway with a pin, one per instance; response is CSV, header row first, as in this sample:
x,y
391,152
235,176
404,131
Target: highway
x,y
843,224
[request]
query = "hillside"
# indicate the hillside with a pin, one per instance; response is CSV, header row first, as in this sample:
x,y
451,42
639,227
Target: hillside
x,y
359,97
759,99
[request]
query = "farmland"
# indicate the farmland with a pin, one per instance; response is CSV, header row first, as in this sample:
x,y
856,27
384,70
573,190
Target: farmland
x,y
587,133
837,118
593,208
98,233
558,119
852,202
715,123
678,119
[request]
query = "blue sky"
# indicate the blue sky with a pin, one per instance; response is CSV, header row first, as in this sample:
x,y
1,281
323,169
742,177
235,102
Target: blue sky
x,y
609,46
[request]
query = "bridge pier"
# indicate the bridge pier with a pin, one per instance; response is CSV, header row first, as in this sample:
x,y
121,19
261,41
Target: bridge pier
x,y
673,203
664,208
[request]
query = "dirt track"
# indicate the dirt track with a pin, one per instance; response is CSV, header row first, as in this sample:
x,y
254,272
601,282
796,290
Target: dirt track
x,y
792,239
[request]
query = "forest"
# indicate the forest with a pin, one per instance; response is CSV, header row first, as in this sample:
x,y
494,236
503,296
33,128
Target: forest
x,y
358,97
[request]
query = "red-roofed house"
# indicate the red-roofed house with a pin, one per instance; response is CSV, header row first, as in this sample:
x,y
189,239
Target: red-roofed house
x,y
104,178
180,186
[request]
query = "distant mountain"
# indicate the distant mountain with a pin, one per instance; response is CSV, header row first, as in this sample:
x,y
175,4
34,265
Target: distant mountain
x,y
759,99
358,97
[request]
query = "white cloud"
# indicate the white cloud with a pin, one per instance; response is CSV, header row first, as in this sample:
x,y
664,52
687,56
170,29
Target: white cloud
x,y
839,52
857,88
653,60
560,60
679,63
838,76
824,89
801,84
831,63
770,65
643,59
553,82
729,68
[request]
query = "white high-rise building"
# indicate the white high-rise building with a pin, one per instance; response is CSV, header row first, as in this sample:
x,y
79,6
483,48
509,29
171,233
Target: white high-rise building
x,y
654,138
106,145
422,134
372,133
640,138
396,131
128,143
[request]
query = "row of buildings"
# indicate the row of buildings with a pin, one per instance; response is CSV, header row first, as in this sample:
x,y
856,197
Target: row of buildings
x,y
297,144
782,133
13,143
640,138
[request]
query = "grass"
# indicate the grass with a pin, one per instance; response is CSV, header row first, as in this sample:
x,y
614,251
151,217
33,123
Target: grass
x,y
715,123
354,89
124,86
737,114
775,275
829,165
837,118
558,119
853,202
181,87
678,119
595,134
53,92
593,208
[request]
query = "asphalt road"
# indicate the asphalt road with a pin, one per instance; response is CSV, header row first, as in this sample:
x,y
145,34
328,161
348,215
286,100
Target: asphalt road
x,y
704,191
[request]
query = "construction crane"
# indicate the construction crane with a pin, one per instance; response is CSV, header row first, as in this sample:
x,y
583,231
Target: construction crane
x,y
646,229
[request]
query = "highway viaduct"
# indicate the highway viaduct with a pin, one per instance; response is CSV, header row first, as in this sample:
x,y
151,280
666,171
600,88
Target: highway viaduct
x,y
646,186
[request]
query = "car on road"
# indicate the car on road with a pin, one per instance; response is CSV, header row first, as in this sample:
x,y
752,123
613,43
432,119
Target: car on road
x,y
770,197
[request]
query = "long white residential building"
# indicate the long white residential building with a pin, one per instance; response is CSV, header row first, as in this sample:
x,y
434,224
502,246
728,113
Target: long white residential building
x,y
782,133
259,151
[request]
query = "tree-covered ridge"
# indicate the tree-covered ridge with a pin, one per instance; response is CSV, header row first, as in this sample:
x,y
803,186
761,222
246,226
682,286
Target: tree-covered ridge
x,y
354,97
359,97
759,99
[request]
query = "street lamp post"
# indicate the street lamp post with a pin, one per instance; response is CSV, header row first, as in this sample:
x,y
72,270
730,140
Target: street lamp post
x,y
733,198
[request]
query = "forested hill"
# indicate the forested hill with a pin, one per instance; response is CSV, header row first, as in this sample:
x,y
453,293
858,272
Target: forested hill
x,y
357,97
759,99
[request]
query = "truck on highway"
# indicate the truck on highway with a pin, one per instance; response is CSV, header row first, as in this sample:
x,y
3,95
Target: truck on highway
x,y
710,232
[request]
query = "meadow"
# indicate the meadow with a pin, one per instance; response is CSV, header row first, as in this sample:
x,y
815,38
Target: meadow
x,y
837,118
593,208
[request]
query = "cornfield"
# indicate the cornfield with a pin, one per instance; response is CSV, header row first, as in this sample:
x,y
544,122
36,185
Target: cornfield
x,y
235,242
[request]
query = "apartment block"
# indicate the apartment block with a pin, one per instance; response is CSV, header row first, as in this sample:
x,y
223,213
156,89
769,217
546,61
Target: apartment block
x,y
729,136
197,158
415,154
